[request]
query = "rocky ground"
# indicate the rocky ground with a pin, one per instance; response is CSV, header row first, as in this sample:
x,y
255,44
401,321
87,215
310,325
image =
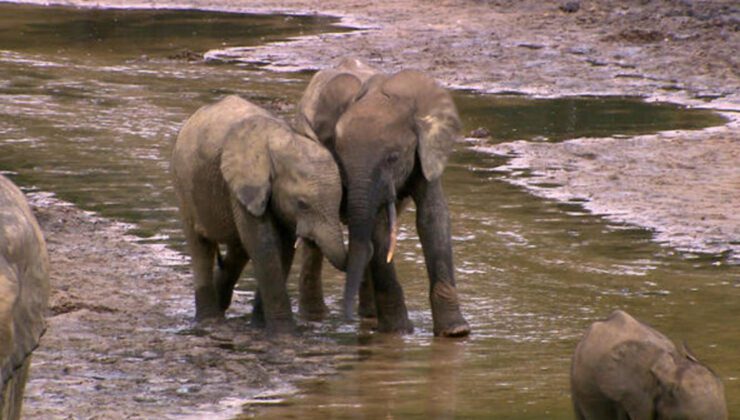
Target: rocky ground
x,y
119,324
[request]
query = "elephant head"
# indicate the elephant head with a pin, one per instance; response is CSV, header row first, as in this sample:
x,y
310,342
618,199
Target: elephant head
x,y
398,130
687,389
265,162
327,97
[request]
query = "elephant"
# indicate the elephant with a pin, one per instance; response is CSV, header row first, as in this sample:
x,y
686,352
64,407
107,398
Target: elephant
x,y
24,295
244,179
391,136
624,369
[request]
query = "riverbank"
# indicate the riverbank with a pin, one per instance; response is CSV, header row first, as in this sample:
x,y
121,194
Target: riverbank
x,y
120,333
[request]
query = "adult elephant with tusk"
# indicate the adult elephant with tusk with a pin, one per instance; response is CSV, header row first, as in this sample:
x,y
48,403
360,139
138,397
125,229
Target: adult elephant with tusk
x,y
246,180
391,135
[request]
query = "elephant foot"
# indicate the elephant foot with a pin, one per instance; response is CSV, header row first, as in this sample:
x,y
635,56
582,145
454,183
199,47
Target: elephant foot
x,y
456,330
206,305
313,312
280,327
311,307
397,326
448,320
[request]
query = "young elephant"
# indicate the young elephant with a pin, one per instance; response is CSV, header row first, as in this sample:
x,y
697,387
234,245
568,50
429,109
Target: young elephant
x,y
391,135
24,293
246,180
623,369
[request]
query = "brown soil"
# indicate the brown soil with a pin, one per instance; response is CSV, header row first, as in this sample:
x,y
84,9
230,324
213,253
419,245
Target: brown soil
x,y
119,343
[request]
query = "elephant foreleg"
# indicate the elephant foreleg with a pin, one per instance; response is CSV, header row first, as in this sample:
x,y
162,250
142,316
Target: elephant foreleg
x,y
271,251
390,304
228,272
367,309
433,226
311,301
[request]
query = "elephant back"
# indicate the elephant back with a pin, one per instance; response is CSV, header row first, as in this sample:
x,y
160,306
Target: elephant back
x,y
24,281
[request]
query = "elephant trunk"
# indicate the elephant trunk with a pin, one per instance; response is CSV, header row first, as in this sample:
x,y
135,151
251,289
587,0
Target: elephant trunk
x,y
361,225
331,243
363,206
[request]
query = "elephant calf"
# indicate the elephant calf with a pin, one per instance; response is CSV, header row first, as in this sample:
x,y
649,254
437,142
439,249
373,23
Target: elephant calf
x,y
24,293
623,369
246,180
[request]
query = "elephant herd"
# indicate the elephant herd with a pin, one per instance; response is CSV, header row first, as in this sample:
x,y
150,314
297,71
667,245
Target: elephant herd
x,y
362,144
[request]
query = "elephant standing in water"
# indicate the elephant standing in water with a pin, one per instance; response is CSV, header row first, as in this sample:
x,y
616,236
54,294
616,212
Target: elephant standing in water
x,y
623,369
24,295
391,135
246,180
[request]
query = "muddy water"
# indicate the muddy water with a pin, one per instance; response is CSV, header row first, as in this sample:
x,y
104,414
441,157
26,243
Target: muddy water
x,y
90,102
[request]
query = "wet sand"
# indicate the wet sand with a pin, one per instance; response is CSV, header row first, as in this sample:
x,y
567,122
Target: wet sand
x,y
119,343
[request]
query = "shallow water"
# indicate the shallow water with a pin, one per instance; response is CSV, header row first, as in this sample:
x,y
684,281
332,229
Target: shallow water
x,y
90,103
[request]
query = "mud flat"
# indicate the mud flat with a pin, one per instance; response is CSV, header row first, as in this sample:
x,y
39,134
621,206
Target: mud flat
x,y
651,180
120,343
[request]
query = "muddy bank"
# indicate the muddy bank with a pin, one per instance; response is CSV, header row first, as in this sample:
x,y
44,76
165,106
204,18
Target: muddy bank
x,y
681,185
120,343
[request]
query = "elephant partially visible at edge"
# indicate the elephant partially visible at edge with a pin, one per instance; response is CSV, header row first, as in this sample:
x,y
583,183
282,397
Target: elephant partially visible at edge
x,y
623,369
245,179
391,135
24,295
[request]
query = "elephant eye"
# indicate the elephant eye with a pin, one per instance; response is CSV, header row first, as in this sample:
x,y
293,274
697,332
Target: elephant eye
x,y
392,158
302,205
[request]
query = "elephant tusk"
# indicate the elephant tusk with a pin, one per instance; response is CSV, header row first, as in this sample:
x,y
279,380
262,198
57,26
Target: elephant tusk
x,y
394,230
298,242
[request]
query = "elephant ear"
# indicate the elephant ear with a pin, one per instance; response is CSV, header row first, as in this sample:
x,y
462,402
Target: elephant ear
x,y
436,121
665,371
326,98
246,164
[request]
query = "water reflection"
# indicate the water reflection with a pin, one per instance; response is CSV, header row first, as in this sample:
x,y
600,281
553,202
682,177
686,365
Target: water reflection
x,y
95,126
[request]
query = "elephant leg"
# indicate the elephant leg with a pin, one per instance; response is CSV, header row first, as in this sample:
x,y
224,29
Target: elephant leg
x,y
433,226
311,301
367,298
258,311
390,304
270,250
11,395
202,254
227,273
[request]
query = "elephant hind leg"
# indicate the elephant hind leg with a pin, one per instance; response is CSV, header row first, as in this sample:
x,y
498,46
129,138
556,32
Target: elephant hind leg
x,y
227,273
202,256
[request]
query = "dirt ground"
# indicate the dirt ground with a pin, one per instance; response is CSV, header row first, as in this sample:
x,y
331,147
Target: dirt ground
x,y
119,327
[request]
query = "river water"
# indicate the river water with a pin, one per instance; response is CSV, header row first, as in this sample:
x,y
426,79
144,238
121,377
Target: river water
x,y
90,103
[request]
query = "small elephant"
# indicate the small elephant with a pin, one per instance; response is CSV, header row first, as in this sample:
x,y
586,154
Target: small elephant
x,y
623,369
24,295
246,180
391,135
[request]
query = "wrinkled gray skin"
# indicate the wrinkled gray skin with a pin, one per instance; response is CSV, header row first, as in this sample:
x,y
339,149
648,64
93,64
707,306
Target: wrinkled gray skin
x,y
24,295
623,369
391,135
245,180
